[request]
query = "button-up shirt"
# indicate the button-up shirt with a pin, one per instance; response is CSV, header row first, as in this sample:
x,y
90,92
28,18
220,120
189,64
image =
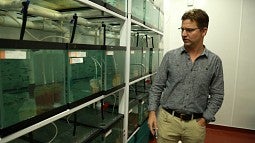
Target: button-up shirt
x,y
186,86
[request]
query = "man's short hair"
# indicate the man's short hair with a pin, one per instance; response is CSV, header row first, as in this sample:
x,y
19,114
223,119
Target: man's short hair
x,y
198,16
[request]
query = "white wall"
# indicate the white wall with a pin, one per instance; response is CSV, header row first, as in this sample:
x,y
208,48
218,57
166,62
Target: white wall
x,y
244,106
230,35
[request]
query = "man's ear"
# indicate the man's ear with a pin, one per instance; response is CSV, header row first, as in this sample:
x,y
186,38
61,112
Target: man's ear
x,y
204,31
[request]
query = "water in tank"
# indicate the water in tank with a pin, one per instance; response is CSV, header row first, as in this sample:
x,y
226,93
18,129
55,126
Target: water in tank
x,y
32,82
85,71
114,65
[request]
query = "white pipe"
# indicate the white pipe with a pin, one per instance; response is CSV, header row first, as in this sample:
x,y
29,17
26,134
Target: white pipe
x,y
91,32
10,4
43,12
91,13
9,22
55,15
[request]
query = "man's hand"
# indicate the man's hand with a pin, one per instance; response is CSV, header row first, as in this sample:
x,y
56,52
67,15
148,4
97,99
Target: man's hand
x,y
202,122
152,122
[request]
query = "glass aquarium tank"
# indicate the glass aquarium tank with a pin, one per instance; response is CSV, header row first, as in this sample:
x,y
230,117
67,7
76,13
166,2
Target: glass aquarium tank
x,y
120,5
138,94
113,134
111,102
154,63
85,72
88,35
151,14
161,21
112,37
32,81
143,107
133,39
61,131
146,61
97,35
138,11
138,39
136,65
114,67
111,123
133,116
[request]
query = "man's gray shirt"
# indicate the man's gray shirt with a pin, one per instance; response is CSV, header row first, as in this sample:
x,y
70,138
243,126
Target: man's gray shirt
x,y
186,86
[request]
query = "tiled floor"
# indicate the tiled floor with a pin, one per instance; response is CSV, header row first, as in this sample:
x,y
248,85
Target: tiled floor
x,y
219,134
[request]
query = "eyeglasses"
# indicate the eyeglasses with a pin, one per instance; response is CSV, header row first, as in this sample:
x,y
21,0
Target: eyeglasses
x,y
188,30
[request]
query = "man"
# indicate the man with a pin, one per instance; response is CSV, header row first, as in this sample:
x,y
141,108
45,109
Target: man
x,y
188,86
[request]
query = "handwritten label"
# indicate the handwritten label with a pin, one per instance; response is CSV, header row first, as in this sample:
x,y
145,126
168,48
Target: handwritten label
x,y
15,54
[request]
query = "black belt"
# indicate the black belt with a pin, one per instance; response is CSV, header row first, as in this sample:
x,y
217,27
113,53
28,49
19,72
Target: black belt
x,y
184,117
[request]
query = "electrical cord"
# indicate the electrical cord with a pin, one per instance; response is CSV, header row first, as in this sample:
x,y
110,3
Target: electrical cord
x,y
67,120
95,63
56,132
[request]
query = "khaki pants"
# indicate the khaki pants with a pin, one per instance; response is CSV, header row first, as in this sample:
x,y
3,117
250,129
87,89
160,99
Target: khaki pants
x,y
172,129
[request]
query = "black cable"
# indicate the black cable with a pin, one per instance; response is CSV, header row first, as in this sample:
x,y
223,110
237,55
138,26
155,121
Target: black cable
x,y
104,34
146,38
102,108
152,42
75,124
24,18
30,136
74,21
137,39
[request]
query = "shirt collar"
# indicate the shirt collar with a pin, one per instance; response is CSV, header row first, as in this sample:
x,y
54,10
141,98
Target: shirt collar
x,y
205,52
